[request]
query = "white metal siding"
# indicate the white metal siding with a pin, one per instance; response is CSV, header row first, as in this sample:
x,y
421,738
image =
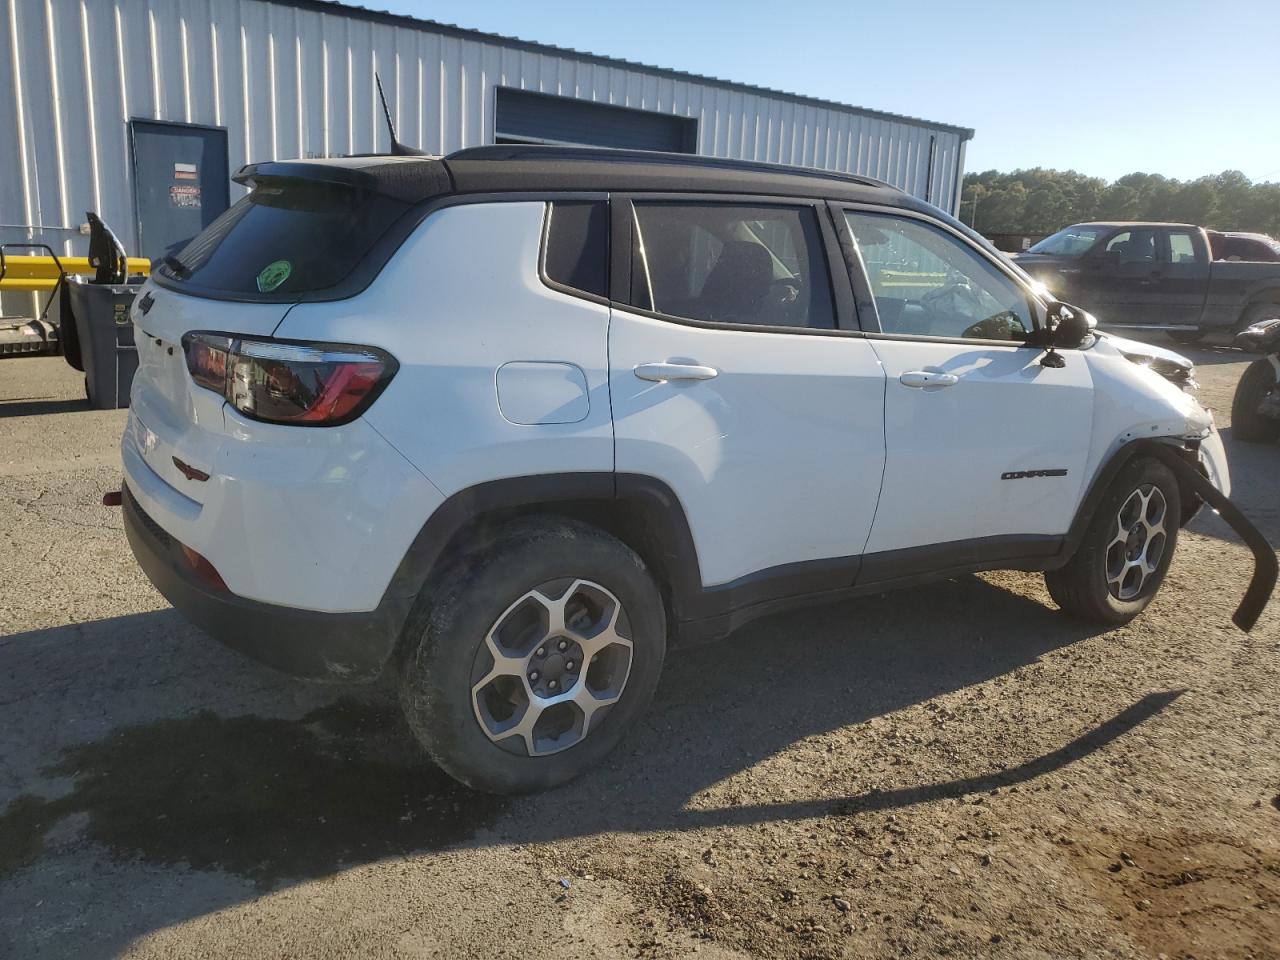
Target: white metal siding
x,y
289,82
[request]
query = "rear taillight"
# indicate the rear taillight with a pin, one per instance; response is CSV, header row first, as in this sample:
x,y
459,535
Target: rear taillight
x,y
311,384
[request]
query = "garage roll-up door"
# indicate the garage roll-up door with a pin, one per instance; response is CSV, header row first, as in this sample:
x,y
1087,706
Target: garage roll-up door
x,y
524,117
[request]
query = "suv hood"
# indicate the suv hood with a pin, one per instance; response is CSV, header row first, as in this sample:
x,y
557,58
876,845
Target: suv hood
x,y
1136,349
1174,367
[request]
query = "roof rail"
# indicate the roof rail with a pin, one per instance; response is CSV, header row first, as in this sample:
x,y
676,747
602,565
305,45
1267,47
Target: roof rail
x,y
525,151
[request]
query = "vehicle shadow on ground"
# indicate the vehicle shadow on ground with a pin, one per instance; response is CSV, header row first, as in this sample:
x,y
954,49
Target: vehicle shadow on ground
x,y
37,406
275,801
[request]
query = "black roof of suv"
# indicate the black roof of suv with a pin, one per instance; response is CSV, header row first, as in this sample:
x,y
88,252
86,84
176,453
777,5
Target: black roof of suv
x,y
528,168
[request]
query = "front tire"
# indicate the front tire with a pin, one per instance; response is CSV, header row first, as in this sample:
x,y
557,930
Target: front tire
x,y
1126,549
1258,380
525,665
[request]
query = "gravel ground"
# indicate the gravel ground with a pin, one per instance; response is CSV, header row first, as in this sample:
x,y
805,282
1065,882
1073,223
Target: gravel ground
x,y
955,771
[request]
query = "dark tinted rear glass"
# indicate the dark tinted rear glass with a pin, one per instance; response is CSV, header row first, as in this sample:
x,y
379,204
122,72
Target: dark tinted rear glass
x,y
578,246
757,265
285,239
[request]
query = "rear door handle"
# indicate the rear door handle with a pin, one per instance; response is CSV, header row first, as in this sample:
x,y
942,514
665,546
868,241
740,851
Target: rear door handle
x,y
659,372
928,378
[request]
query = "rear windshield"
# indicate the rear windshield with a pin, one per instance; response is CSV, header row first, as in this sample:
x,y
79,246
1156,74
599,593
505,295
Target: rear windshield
x,y
285,239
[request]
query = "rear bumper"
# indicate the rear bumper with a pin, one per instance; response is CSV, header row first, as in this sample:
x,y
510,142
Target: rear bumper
x,y
313,645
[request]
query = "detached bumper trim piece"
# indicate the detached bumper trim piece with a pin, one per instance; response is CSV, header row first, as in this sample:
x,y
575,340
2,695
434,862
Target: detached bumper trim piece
x,y
1265,566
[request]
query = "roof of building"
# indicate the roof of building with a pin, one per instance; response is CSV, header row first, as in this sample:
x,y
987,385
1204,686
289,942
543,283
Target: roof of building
x,y
434,26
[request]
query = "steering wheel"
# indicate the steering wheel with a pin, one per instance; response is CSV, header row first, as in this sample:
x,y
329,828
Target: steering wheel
x,y
783,293
1001,326
959,293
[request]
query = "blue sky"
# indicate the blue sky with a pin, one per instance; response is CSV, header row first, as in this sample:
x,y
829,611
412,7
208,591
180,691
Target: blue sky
x,y
1178,87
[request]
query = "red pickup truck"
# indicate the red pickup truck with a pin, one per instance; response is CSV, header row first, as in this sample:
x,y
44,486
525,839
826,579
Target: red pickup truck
x,y
1159,275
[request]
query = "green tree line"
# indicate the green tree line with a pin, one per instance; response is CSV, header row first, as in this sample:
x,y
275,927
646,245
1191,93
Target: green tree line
x,y
1044,201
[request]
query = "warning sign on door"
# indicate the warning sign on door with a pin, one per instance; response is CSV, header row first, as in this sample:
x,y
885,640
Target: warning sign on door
x,y
185,195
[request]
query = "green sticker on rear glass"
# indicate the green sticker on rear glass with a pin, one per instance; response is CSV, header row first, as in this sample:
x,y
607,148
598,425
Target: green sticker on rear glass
x,y
274,274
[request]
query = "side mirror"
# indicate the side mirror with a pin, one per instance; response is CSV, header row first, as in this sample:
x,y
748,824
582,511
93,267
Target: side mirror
x,y
1070,325
1066,327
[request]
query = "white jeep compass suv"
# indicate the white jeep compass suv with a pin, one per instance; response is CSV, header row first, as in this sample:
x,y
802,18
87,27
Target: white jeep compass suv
x,y
504,422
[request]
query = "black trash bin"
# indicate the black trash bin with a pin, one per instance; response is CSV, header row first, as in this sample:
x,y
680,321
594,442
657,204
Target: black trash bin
x,y
105,333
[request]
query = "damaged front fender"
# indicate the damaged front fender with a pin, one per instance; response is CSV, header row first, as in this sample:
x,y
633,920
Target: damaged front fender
x,y
1207,488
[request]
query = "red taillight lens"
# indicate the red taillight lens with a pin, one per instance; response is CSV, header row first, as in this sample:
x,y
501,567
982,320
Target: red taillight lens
x,y
207,359
204,569
312,384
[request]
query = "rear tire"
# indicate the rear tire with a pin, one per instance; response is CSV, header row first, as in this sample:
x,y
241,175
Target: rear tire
x,y
1126,550
1247,424
526,663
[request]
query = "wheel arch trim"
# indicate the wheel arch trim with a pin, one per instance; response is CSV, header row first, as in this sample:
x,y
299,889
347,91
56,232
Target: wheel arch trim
x,y
646,506
1265,566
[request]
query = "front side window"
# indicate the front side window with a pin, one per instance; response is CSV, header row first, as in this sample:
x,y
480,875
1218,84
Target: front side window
x,y
760,266
1133,246
928,283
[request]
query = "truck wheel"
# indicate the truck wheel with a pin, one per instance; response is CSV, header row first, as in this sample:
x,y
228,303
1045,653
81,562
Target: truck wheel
x,y
533,656
1126,550
1258,380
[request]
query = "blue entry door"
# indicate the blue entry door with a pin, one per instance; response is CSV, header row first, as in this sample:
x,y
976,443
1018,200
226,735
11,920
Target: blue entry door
x,y
181,181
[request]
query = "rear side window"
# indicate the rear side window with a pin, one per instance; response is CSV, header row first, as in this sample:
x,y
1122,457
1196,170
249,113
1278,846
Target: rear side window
x,y
1182,248
577,253
762,266
285,239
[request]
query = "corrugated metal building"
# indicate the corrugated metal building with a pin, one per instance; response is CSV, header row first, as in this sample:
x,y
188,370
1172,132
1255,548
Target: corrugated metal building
x,y
103,95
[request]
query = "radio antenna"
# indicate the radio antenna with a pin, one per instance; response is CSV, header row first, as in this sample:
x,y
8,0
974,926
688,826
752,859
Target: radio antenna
x,y
398,149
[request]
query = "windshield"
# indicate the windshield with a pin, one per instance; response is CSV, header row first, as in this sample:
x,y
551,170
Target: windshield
x,y
1070,242
285,239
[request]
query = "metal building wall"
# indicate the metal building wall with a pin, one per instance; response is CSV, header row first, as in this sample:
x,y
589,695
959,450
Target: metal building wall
x,y
297,80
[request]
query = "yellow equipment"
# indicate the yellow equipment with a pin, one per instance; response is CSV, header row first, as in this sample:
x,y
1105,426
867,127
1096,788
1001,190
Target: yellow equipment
x,y
41,273
106,265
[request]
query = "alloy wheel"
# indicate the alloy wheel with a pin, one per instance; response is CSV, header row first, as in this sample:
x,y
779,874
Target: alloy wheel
x,y
551,666
1134,553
